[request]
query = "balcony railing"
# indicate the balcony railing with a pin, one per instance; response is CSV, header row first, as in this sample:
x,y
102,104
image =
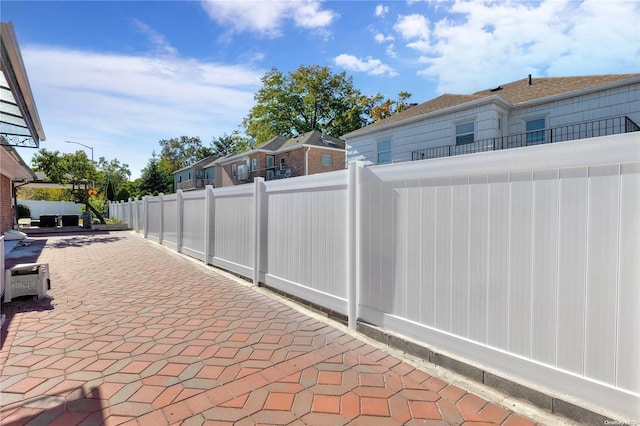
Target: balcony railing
x,y
590,129
194,184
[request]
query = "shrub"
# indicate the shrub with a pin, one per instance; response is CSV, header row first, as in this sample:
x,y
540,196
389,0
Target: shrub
x,y
24,211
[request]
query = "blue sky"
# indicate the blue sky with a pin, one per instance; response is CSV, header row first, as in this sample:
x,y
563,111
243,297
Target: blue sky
x,y
121,75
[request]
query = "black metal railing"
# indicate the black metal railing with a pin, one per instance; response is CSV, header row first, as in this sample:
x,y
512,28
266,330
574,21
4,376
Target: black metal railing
x,y
195,183
588,129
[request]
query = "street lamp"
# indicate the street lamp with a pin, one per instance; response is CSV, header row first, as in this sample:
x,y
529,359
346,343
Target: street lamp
x,y
93,184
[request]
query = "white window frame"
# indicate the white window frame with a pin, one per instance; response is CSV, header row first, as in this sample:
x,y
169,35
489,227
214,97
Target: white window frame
x,y
234,171
282,164
254,164
536,135
463,135
327,160
270,161
383,152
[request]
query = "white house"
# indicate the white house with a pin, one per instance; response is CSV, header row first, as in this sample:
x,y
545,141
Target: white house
x,y
524,112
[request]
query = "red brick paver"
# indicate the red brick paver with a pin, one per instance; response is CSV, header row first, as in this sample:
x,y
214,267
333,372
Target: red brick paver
x,y
134,334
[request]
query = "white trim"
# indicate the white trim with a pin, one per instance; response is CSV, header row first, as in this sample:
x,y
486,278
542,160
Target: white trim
x,y
243,270
323,299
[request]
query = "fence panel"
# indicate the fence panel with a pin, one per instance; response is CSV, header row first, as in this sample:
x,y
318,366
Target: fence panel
x,y
193,238
43,207
154,225
306,238
170,221
140,215
520,267
233,229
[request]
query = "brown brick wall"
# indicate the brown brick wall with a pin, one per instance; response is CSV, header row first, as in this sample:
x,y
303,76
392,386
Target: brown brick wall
x,y
315,160
6,212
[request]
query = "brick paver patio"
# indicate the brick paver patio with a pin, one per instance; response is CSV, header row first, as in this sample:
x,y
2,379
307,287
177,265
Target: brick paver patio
x,y
134,334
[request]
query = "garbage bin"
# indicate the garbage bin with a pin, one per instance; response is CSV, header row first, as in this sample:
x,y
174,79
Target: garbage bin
x,y
86,219
69,220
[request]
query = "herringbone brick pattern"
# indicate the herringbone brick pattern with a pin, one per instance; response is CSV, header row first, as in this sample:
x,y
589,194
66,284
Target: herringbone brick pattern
x,y
132,334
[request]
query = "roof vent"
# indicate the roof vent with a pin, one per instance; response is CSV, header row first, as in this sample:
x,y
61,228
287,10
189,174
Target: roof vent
x,y
495,89
530,81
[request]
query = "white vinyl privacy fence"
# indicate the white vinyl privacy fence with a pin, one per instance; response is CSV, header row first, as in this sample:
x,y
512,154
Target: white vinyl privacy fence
x,y
524,261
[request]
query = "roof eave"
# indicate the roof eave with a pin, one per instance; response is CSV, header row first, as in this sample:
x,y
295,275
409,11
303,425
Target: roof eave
x,y
10,42
19,169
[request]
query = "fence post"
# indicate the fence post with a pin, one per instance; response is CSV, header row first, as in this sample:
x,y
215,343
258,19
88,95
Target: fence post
x,y
258,195
179,220
130,224
209,224
161,207
353,242
145,216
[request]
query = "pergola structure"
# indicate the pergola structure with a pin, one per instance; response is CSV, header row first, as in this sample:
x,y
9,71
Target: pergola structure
x,y
20,124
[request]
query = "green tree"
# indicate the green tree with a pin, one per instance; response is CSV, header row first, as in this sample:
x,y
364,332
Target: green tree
x,y
310,98
111,172
380,108
74,169
229,144
123,194
110,192
177,153
155,178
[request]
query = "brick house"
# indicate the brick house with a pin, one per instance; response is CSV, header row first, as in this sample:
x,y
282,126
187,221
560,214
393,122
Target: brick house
x,y
280,158
19,125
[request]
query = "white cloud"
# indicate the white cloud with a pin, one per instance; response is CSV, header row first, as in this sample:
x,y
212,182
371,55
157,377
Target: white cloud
x,y
381,10
482,44
268,17
414,27
391,52
161,45
370,66
123,105
381,38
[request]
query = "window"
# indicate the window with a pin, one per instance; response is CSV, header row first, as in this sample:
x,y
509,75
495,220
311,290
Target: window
x,y
179,178
254,164
234,171
270,161
282,165
384,152
326,160
189,175
535,131
464,133
206,174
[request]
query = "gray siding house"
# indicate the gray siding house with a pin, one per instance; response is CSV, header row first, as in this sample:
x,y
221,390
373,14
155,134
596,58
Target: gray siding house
x,y
521,113
196,176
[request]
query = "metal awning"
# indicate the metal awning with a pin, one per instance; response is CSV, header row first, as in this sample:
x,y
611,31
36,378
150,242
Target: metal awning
x,y
19,121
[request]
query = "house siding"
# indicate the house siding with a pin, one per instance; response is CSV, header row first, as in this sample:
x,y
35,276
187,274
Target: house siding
x,y
603,104
6,211
439,131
